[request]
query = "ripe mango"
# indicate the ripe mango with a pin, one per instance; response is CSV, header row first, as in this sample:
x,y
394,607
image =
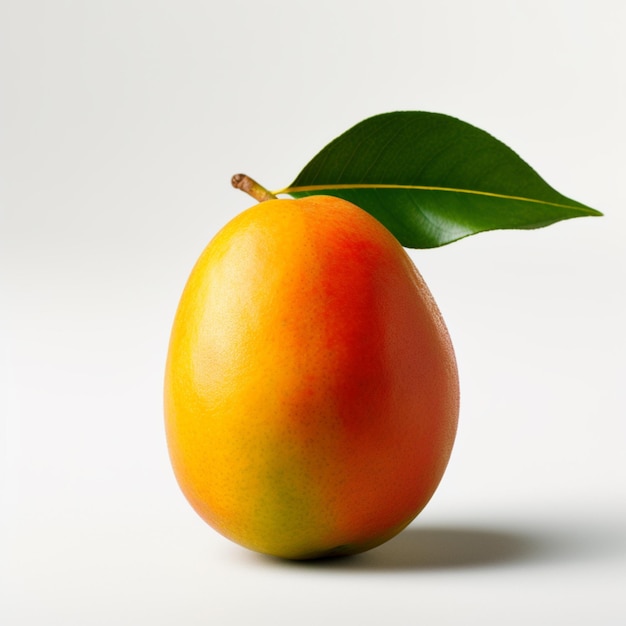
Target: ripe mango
x,y
311,388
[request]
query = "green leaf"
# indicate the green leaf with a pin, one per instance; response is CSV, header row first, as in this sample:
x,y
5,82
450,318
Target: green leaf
x,y
432,179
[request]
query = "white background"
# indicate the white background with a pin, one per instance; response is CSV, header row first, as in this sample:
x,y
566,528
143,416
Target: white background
x,y
121,122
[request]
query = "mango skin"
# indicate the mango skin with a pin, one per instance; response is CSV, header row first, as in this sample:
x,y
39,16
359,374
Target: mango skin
x,y
311,388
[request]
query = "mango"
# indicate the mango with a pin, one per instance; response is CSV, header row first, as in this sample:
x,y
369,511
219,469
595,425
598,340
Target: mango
x,y
311,388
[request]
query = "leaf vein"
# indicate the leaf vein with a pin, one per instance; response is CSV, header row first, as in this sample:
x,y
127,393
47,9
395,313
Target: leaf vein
x,y
379,187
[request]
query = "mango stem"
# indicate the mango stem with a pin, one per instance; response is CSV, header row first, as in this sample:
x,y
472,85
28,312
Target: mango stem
x,y
252,188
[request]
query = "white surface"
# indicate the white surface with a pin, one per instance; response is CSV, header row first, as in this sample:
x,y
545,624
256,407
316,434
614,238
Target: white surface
x,y
120,125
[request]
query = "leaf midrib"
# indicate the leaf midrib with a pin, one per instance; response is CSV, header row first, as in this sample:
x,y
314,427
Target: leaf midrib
x,y
314,188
